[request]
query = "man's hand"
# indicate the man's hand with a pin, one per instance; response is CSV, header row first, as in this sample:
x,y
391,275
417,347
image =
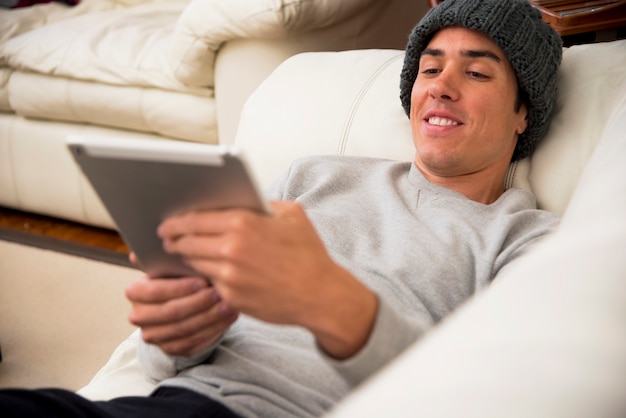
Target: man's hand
x,y
276,269
181,316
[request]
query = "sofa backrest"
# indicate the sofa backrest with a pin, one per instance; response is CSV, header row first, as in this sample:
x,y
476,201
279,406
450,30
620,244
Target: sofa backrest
x,y
347,103
248,41
591,85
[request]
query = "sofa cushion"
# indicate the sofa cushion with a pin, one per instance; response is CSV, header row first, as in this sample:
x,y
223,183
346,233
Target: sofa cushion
x,y
16,22
326,103
126,46
600,191
591,79
136,108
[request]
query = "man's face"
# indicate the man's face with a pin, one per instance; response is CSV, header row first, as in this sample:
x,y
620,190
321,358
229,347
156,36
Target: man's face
x,y
463,114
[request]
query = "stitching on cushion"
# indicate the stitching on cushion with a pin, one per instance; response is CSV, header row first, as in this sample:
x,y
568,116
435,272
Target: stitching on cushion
x,y
12,169
345,132
509,178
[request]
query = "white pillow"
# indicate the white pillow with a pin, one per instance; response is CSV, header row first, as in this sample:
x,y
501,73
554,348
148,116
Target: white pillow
x,y
326,103
126,46
590,81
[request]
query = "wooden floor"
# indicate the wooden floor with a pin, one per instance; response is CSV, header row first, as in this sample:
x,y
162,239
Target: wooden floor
x,y
61,230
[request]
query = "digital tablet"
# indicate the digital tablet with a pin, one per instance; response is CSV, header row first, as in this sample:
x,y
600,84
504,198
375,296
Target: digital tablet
x,y
143,182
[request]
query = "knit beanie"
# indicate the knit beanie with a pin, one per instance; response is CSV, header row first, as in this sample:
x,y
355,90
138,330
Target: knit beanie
x,y
532,46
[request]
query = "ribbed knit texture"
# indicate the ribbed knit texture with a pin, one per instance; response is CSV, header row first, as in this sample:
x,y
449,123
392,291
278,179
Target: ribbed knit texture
x,y
532,46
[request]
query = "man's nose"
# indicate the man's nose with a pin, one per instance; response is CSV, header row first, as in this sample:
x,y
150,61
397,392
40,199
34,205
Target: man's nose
x,y
445,86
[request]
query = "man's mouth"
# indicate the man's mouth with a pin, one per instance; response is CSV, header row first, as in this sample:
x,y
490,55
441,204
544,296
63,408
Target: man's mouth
x,y
437,121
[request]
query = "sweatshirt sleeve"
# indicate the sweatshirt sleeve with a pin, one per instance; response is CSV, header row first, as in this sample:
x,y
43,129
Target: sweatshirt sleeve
x,y
392,333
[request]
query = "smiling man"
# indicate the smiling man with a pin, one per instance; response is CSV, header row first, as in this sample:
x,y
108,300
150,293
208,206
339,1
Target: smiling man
x,y
362,256
466,115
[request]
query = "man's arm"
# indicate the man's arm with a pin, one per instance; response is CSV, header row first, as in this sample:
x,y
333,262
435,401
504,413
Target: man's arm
x,y
276,268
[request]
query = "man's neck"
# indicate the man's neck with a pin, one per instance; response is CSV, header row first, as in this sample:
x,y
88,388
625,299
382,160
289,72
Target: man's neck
x,y
482,187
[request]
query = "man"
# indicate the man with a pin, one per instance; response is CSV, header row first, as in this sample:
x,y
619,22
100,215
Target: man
x,y
361,257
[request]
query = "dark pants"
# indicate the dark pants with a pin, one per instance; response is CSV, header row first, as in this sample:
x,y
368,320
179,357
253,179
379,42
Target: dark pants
x,y
164,402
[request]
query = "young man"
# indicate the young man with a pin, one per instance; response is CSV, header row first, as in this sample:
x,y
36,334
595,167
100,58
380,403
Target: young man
x,y
361,256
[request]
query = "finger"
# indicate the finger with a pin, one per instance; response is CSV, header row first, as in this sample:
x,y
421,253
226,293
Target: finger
x,y
212,222
208,222
286,208
173,311
196,246
200,340
132,257
146,290
208,321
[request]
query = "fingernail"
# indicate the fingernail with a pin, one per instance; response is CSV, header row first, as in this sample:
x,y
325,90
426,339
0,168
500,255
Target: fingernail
x,y
225,309
215,296
195,286
166,245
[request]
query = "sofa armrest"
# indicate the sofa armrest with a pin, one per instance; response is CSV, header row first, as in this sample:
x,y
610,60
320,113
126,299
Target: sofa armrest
x,y
205,26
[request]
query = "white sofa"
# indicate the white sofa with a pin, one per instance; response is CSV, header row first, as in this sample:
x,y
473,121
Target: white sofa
x,y
546,340
176,69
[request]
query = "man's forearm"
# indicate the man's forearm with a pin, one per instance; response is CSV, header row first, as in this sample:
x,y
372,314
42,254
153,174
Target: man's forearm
x,y
345,316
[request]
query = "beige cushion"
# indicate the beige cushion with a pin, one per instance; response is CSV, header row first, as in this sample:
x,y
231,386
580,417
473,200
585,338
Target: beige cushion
x,y
88,47
590,84
326,103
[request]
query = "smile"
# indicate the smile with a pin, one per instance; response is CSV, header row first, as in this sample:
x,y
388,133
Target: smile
x,y
442,121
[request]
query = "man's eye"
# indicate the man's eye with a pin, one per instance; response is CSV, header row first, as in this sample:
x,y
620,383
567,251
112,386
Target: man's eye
x,y
475,74
430,71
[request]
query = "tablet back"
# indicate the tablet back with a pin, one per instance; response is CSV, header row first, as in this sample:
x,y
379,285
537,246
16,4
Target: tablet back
x,y
143,182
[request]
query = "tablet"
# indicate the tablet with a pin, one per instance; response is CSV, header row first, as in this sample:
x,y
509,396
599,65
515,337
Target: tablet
x,y
142,182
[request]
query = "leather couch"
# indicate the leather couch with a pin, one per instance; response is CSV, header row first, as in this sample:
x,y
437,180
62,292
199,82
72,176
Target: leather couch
x,y
158,69
548,338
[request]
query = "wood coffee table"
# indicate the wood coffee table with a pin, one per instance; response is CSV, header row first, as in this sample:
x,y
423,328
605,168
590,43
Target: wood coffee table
x,y
601,20
581,21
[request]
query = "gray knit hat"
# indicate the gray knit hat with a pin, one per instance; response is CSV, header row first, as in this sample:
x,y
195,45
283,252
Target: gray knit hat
x,y
533,48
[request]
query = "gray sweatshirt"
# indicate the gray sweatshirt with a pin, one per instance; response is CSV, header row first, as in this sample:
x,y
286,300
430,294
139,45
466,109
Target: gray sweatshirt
x,y
421,248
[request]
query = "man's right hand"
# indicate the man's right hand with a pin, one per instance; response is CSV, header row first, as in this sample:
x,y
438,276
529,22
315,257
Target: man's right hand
x,y
181,316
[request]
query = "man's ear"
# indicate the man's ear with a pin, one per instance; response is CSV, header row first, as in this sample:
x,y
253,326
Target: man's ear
x,y
523,120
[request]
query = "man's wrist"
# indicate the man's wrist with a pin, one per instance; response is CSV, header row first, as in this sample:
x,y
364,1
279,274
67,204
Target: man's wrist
x,y
347,320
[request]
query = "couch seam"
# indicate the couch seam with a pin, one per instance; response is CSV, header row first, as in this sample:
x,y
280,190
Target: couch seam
x,y
12,169
345,131
509,179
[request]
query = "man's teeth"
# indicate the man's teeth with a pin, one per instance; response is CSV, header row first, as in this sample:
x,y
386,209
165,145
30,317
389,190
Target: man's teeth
x,y
442,122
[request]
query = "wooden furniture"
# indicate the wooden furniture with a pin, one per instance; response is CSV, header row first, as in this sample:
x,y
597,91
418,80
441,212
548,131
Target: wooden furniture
x,y
580,21
601,20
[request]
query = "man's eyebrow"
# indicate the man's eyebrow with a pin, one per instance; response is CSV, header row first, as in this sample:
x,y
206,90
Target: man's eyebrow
x,y
433,52
481,54
469,53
